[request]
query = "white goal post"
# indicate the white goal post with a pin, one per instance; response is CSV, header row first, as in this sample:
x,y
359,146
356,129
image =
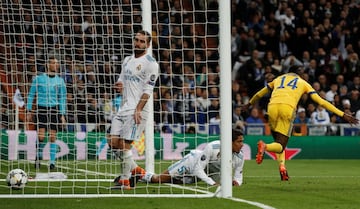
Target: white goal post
x,y
191,42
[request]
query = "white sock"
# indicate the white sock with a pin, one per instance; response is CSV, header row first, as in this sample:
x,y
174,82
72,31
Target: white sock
x,y
147,177
128,163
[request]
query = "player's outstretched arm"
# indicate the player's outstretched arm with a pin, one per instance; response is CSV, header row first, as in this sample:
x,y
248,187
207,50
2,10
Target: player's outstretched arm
x,y
350,119
262,92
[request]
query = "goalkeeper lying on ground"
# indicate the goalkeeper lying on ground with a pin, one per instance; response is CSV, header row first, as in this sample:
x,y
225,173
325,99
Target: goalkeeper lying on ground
x,y
199,165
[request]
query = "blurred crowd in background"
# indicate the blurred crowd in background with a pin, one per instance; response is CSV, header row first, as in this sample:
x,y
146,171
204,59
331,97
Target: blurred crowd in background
x,y
90,39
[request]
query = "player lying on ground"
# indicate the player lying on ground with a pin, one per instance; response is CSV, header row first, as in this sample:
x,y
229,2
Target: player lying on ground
x,y
197,164
286,91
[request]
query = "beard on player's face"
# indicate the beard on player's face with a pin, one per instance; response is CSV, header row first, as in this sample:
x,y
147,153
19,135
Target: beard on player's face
x,y
139,51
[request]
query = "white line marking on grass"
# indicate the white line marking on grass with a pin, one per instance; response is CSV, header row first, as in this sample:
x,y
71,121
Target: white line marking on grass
x,y
86,171
257,204
204,192
191,189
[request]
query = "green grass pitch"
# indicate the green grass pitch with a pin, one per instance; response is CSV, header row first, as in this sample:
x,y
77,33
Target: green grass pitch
x,y
331,184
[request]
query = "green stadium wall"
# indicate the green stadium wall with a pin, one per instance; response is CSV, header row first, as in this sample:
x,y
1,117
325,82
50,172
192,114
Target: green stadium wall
x,y
82,146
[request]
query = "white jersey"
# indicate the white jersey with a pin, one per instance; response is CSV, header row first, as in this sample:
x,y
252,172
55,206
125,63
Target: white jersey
x,y
138,76
193,164
212,149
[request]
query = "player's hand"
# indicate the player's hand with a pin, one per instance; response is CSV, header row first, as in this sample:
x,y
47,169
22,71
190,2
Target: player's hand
x,y
350,119
119,86
235,183
216,184
137,116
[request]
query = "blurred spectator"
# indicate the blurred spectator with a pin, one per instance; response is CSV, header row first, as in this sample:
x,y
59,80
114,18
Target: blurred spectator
x,y
165,113
351,66
237,101
335,63
268,58
215,120
320,57
252,71
343,92
312,70
185,105
301,117
214,108
201,104
305,59
290,61
354,100
91,81
80,99
323,81
71,111
320,117
254,117
106,78
310,109
300,120
355,83
357,115
191,130
276,67
269,41
340,81
202,101
235,42
334,128
95,114
283,47
332,92
157,105
237,115
316,86
337,102
287,20
346,104
168,102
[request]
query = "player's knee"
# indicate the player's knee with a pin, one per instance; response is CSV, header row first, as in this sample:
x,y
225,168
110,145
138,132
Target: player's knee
x,y
283,140
283,145
113,142
282,148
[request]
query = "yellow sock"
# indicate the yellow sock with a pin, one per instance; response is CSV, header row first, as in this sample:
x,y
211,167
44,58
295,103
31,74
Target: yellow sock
x,y
281,158
274,147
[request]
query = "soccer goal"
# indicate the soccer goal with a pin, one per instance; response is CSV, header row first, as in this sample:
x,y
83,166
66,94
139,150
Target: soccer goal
x,y
191,42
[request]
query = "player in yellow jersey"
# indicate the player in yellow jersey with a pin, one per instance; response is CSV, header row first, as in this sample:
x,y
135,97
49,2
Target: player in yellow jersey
x,y
286,91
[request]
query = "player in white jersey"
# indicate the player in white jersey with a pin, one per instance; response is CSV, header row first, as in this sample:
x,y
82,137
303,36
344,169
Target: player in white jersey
x,y
194,165
213,168
136,82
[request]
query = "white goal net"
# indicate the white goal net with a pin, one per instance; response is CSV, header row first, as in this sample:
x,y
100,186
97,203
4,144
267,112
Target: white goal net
x,y
90,39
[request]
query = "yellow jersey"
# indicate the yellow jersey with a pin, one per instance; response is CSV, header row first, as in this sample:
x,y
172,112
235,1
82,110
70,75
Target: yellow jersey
x,y
288,89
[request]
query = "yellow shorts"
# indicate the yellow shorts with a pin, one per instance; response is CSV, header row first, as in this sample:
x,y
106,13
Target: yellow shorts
x,y
281,117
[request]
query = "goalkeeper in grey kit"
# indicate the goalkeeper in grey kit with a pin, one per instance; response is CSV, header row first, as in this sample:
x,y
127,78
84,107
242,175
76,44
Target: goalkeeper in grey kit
x,y
202,165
